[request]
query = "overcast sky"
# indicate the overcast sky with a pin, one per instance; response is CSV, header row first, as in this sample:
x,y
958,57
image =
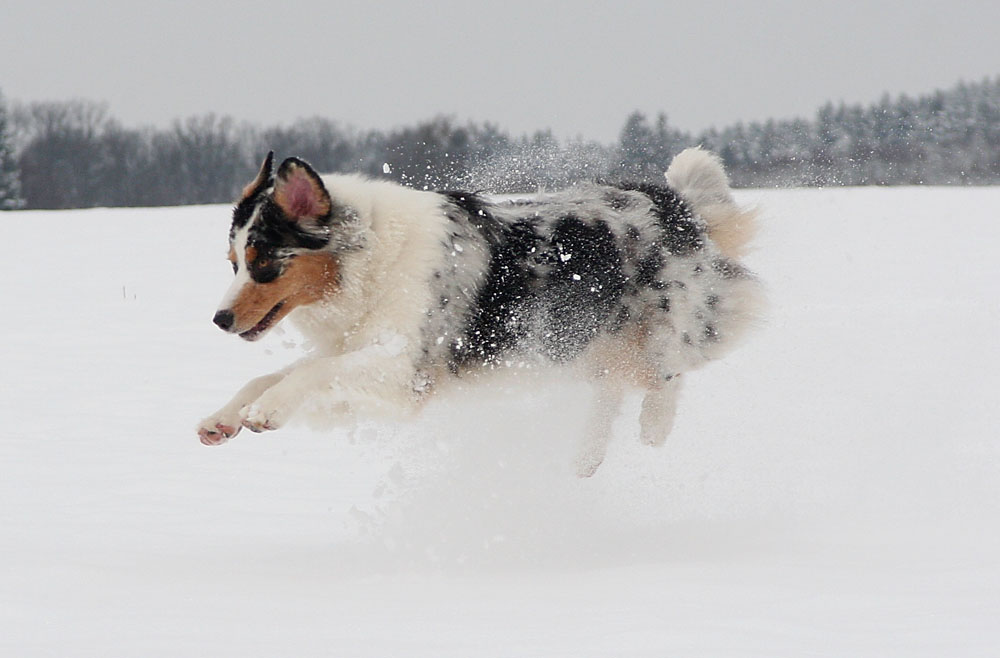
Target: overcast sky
x,y
576,67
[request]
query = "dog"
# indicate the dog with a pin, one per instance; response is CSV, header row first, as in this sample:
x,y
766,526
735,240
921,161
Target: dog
x,y
400,290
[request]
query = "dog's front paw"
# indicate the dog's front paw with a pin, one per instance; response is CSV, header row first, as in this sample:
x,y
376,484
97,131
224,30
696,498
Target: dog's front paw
x,y
215,431
265,414
257,420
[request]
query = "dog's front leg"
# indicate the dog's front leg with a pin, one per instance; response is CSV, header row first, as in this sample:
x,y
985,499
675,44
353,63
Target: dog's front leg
x,y
226,423
362,378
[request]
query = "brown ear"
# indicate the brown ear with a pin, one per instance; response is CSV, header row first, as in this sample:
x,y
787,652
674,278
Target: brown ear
x,y
263,180
299,192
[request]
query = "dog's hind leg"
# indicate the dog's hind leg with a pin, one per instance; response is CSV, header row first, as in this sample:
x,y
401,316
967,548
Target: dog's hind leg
x,y
659,407
225,423
597,434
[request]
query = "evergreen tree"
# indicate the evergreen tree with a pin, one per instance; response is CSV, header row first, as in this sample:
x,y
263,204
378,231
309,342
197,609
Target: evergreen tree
x,y
636,148
10,183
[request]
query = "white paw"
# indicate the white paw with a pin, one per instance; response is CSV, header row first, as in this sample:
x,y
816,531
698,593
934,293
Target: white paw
x,y
655,433
216,430
268,412
257,420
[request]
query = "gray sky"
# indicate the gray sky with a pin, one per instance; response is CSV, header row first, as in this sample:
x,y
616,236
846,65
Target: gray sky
x,y
576,67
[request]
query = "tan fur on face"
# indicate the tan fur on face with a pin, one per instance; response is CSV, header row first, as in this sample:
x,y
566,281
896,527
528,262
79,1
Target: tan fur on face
x,y
307,279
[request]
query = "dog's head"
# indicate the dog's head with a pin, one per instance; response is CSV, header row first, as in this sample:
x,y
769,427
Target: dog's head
x,y
284,245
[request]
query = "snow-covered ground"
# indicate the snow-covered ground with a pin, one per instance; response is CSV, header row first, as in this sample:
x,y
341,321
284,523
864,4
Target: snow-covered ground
x,y
831,489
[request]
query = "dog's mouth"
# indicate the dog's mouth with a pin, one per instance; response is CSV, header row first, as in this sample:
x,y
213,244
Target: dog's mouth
x,y
258,329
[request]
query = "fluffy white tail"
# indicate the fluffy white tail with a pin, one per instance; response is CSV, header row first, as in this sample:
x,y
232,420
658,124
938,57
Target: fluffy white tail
x,y
699,177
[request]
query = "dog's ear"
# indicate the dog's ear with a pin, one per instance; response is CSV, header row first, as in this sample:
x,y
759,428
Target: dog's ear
x,y
300,193
264,178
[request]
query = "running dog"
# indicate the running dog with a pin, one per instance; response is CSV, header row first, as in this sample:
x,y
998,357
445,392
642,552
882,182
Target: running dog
x,y
399,290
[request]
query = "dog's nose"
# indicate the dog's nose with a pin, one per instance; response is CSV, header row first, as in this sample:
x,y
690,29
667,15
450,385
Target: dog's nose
x,y
224,319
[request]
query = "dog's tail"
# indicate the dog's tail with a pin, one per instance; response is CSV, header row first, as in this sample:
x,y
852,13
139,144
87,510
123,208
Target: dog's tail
x,y
698,176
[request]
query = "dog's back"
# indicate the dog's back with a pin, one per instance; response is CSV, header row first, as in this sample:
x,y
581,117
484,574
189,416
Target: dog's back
x,y
593,263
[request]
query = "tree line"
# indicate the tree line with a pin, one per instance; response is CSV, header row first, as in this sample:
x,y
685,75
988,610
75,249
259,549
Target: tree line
x,y
74,154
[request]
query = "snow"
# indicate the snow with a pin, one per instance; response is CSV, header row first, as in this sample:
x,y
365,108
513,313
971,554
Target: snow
x,y
830,489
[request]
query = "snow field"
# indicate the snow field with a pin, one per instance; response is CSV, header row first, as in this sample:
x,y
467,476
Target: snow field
x,y
831,488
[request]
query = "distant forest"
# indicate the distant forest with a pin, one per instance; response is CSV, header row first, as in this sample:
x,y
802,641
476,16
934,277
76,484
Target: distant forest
x,y
74,154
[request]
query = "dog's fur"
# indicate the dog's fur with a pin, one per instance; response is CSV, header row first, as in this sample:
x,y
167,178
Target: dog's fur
x,y
399,290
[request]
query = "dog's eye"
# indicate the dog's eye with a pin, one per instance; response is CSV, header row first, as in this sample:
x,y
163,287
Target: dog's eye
x,y
263,262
